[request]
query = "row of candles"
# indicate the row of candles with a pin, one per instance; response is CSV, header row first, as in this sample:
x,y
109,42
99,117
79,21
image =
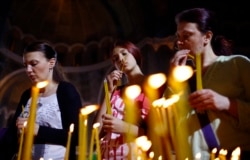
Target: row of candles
x,y
27,133
154,81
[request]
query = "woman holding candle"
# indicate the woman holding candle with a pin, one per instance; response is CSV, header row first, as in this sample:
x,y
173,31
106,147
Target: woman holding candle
x,y
127,60
58,106
225,95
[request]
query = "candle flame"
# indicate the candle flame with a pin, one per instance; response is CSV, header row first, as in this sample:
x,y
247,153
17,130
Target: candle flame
x,y
156,80
182,73
214,150
143,143
42,84
96,125
146,145
158,102
140,140
163,102
25,124
236,152
89,109
151,154
223,152
173,99
71,128
133,91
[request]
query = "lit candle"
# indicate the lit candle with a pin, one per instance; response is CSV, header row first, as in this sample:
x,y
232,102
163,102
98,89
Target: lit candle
x,y
29,135
151,155
21,141
153,82
85,137
108,105
80,136
235,154
95,138
222,154
212,156
143,144
131,92
198,71
92,144
82,144
71,129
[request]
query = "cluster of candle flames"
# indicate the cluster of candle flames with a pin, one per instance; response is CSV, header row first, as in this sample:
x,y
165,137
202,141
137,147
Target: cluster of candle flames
x,y
180,74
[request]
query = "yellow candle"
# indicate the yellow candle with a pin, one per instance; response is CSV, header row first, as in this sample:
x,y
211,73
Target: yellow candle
x,y
212,155
222,154
71,129
92,144
95,138
131,92
82,145
98,147
29,135
198,71
80,140
107,98
21,142
84,139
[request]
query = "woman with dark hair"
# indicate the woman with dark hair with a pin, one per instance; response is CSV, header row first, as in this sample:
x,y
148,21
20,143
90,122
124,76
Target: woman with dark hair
x,y
224,100
58,107
127,60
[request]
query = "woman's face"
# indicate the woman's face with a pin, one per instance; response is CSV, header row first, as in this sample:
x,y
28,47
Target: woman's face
x,y
189,37
37,66
123,59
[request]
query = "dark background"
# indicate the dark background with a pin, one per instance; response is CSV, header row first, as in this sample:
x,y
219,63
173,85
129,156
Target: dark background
x,y
82,21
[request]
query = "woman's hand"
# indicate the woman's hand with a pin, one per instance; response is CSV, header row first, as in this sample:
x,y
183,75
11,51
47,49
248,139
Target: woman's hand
x,y
205,99
180,58
113,78
20,124
112,124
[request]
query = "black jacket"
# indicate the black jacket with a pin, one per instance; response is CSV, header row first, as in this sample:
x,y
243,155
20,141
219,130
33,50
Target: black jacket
x,y
69,101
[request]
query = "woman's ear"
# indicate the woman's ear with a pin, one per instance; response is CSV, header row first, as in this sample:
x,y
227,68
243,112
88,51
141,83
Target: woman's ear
x,y
52,63
208,37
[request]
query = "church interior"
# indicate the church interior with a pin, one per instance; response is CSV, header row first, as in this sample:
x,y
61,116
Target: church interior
x,y
82,32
